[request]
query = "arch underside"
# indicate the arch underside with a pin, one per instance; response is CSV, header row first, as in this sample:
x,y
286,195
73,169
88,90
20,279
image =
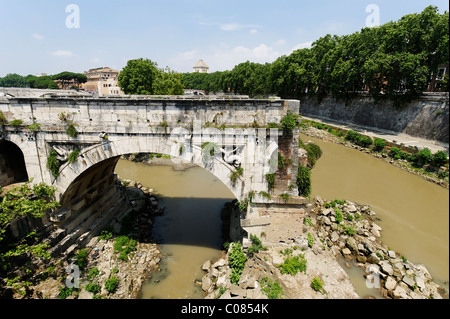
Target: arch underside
x,y
12,164
94,169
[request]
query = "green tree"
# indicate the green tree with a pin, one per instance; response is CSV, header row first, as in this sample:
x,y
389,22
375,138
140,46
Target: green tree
x,y
168,82
13,80
143,77
138,77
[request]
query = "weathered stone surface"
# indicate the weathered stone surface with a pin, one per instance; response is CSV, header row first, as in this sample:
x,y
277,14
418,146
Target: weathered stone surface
x,y
409,281
390,283
387,268
206,265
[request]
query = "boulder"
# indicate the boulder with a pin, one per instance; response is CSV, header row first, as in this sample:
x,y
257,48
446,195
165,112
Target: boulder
x,y
346,251
237,291
409,281
399,293
351,243
334,237
352,209
392,254
387,268
390,283
375,230
220,263
206,283
206,265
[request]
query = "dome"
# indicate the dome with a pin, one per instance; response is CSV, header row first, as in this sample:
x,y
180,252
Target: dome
x,y
201,67
201,64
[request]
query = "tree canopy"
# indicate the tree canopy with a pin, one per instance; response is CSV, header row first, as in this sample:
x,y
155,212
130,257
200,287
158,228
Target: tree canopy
x,y
143,77
395,60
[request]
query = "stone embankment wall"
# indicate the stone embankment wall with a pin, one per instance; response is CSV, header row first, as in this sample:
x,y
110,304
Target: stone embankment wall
x,y
426,117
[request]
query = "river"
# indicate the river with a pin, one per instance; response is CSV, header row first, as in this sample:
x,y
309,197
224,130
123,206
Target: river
x,y
189,232
414,214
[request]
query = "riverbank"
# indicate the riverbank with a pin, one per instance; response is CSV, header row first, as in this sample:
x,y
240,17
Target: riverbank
x,y
332,230
439,177
114,264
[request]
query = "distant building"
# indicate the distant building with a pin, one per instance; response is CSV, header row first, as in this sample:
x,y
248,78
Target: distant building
x,y
201,67
435,84
103,81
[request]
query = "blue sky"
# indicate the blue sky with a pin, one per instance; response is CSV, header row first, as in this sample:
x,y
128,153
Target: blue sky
x,y
34,37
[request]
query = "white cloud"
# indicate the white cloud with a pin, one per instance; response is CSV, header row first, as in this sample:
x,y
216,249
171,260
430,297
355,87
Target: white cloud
x,y
37,36
253,31
304,45
280,42
62,53
233,26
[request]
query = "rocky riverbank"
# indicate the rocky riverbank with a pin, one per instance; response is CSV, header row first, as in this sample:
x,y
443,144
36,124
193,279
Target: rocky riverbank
x,y
105,271
332,230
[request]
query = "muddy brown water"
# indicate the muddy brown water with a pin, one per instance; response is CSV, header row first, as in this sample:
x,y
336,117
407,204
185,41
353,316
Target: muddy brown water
x,y
414,214
189,232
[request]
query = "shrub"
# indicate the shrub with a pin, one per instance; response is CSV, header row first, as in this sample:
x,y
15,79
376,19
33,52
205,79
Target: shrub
x,y
111,284
422,157
236,260
289,122
293,264
285,197
364,141
93,287
397,153
314,153
35,127
124,245
3,120
81,258
439,158
93,272
271,289
73,156
379,144
238,172
270,178
304,181
71,131
265,195
316,284
338,215
256,246
65,292
281,161
310,240
53,164
16,123
352,136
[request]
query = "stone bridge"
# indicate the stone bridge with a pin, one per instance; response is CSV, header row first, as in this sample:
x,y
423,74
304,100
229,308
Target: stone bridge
x,y
84,138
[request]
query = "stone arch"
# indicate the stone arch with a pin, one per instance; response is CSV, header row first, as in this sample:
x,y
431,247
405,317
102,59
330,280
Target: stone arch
x,y
12,164
111,151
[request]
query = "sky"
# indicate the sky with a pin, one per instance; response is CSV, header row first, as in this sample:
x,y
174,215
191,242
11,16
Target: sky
x,y
51,36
